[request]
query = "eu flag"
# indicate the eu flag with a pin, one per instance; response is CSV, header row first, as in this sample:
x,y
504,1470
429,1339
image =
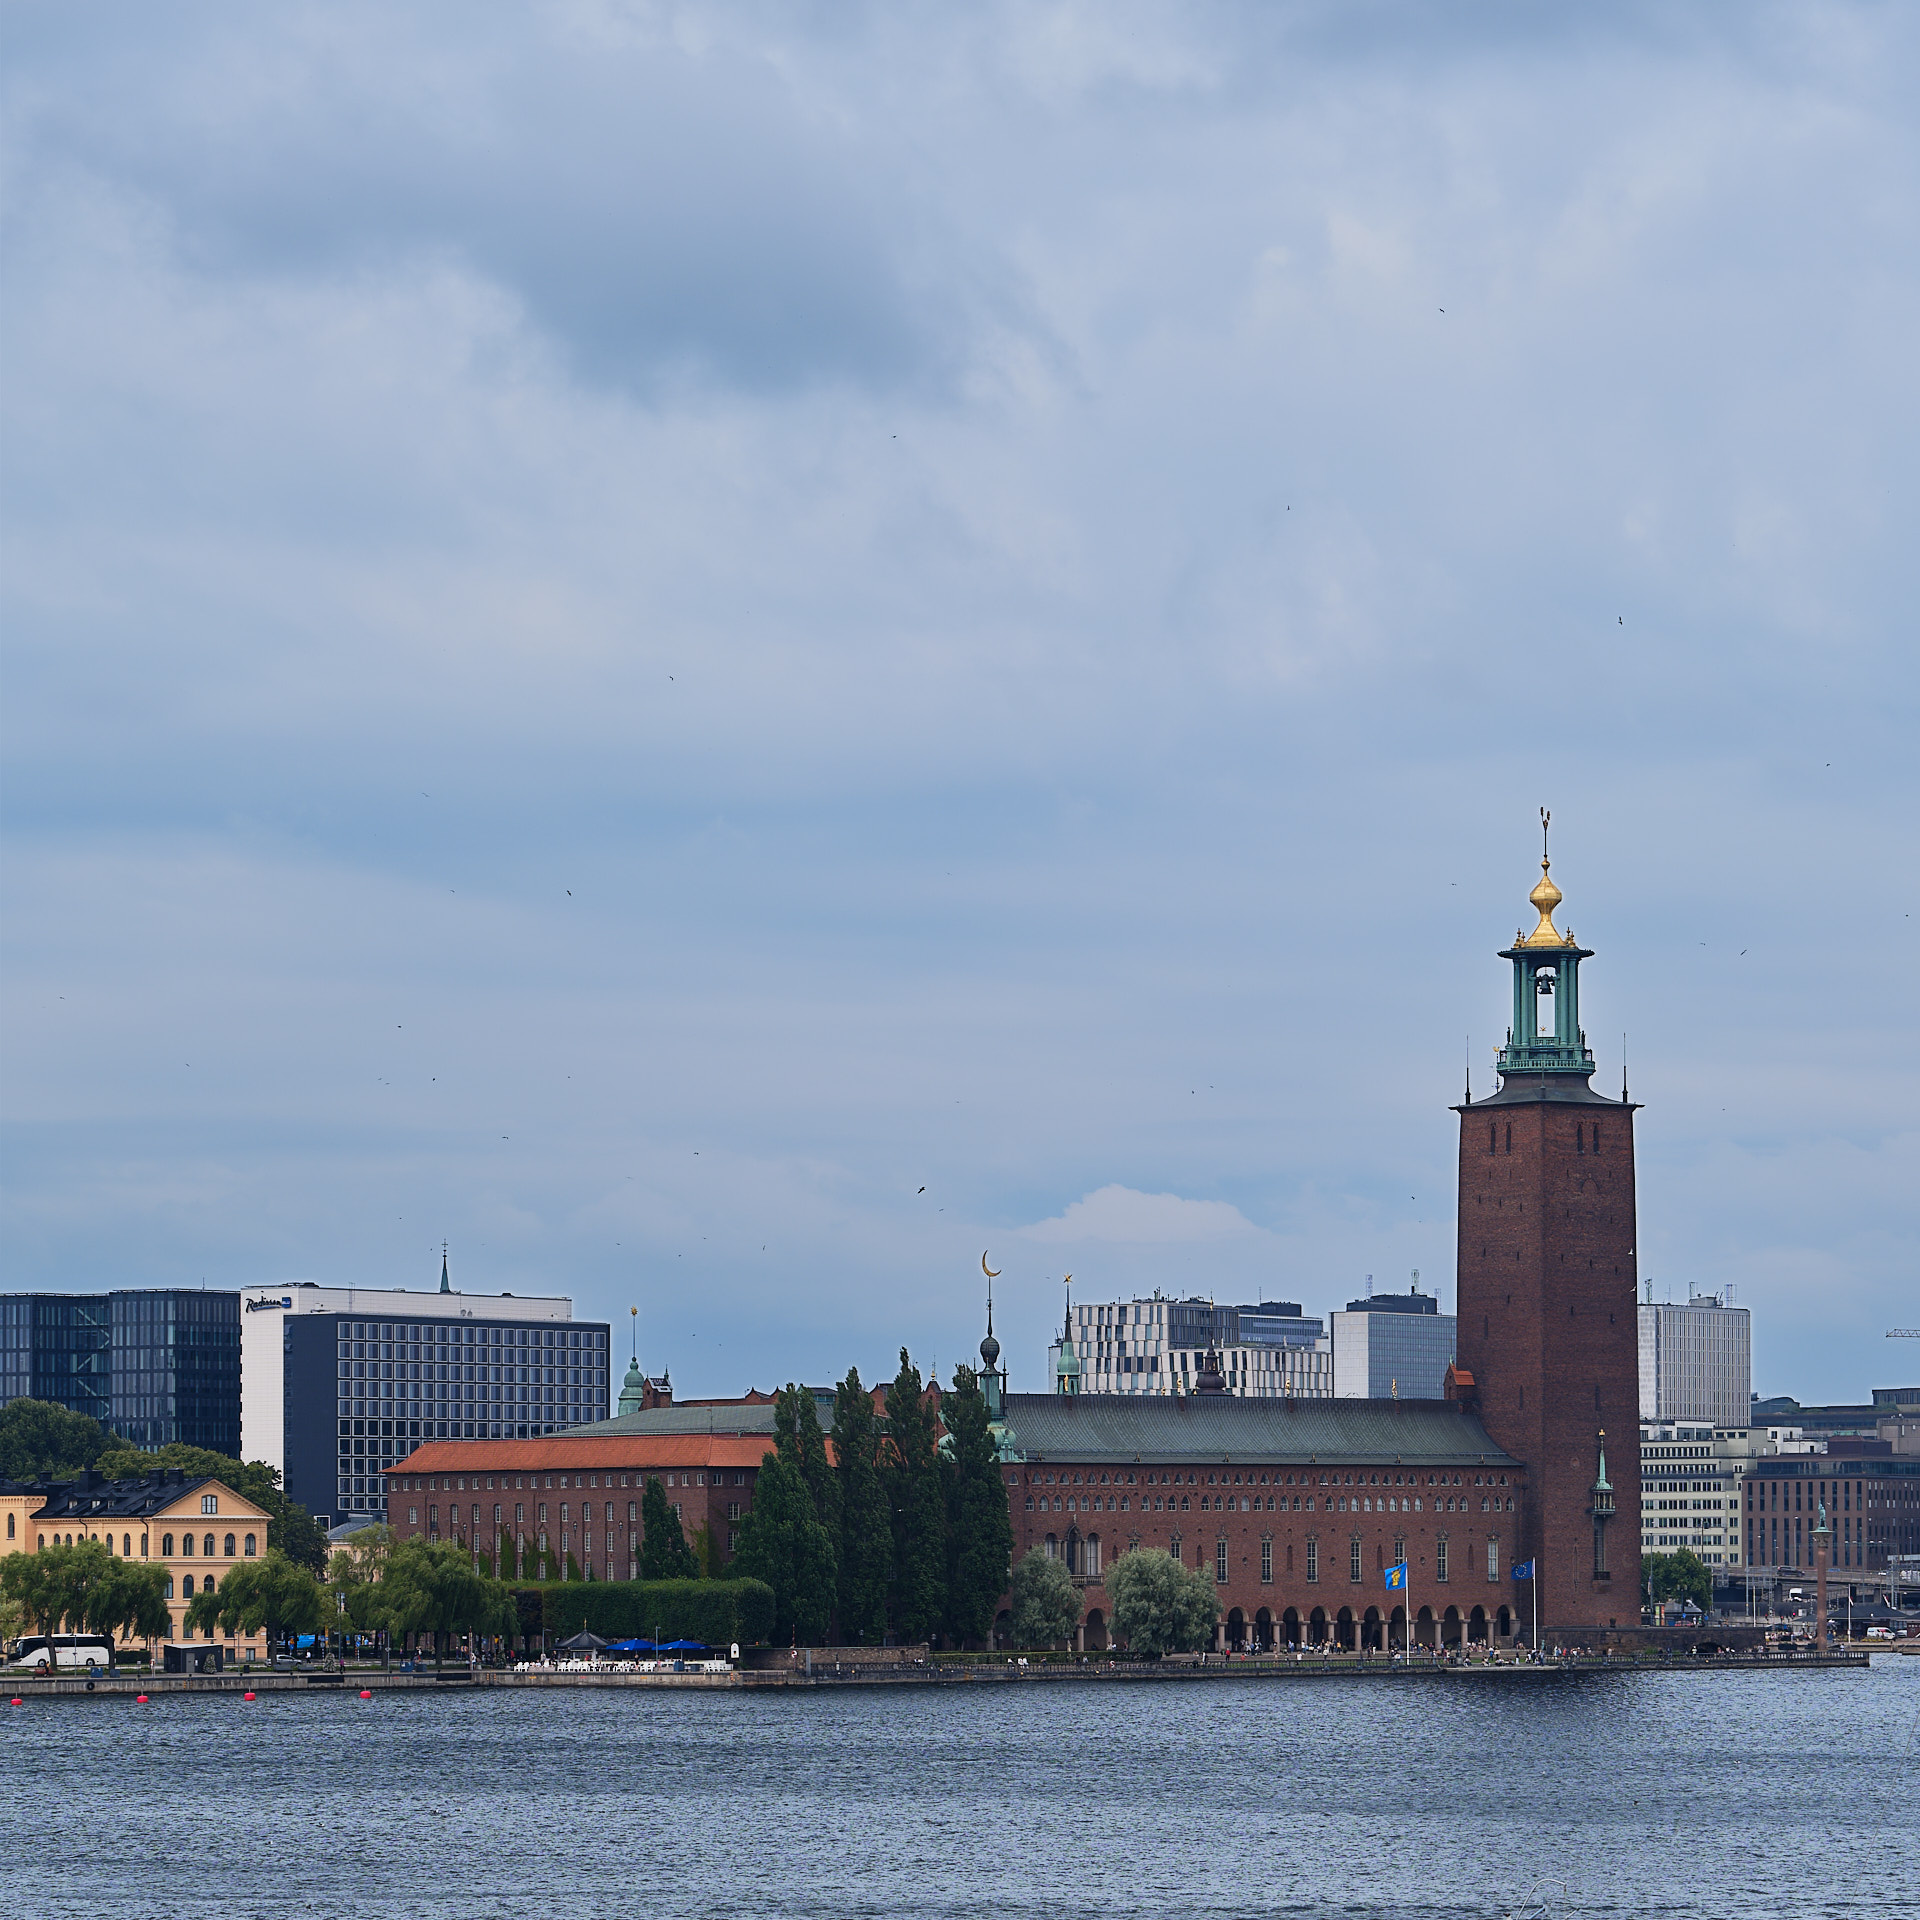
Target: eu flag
x,y
1524,1571
1397,1578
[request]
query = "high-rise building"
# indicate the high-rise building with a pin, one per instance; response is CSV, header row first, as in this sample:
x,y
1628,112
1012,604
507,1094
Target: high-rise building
x,y
1156,1345
158,1365
342,1381
1548,1288
1696,1362
1393,1346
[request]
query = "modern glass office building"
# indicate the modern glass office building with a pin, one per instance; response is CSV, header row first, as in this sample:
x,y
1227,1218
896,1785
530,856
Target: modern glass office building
x,y
157,1365
341,1382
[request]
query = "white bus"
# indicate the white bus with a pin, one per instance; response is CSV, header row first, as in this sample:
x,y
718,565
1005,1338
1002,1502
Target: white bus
x,y
82,1651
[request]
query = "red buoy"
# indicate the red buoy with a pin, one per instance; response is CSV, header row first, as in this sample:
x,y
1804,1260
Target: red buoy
x,y
247,1696
364,1695
141,1700
17,1701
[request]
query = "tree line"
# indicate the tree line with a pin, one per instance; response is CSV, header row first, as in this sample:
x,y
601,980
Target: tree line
x,y
903,1533
38,1437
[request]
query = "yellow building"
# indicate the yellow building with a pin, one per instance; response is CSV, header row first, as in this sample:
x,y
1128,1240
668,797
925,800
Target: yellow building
x,y
196,1529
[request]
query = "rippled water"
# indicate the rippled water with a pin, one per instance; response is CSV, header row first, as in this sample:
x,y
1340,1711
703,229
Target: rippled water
x,y
1735,1794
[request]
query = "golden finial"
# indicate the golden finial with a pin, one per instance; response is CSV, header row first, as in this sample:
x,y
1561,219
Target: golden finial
x,y
1545,897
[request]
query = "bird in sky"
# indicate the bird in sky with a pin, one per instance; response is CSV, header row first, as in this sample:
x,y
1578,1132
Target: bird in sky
x,y
923,1189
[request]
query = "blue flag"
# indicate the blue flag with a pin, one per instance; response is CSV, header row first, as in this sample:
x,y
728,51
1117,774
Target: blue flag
x,y
1397,1578
1524,1571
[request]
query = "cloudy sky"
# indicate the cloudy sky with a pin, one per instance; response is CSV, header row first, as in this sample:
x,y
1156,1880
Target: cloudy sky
x,y
633,634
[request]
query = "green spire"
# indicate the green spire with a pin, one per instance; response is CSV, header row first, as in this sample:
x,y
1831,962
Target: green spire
x,y
445,1284
1546,1036
1066,1369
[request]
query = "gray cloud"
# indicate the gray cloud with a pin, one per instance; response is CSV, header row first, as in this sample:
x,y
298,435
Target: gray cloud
x,y
971,548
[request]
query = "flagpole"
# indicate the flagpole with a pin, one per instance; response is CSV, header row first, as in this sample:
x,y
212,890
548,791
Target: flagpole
x,y
1534,1583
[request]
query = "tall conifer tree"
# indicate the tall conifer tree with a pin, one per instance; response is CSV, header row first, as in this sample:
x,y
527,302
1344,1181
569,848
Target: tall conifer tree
x,y
783,1543
918,1509
798,1439
865,1539
979,1527
664,1553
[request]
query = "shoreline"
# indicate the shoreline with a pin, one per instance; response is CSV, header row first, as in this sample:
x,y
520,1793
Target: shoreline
x,y
29,1689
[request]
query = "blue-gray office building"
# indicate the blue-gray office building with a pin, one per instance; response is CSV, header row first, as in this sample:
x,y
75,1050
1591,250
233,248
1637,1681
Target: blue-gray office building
x,y
156,1365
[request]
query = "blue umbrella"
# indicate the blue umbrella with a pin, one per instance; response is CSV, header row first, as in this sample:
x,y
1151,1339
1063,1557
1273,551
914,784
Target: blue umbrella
x,y
683,1646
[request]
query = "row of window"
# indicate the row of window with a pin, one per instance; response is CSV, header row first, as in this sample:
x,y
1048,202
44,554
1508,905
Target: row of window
x,y
1089,1478
1258,1503
1082,1555
248,1545
448,1482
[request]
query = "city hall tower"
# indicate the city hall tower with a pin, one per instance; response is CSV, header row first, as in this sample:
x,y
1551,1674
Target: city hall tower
x,y
1548,1334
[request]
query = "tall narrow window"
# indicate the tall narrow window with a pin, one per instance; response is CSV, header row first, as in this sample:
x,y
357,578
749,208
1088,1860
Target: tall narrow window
x,y
1440,1558
1493,1559
1220,1563
1313,1559
1353,1558
1266,1562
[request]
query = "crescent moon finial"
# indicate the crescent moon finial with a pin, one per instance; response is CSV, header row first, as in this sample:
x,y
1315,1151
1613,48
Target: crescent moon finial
x,y
992,1273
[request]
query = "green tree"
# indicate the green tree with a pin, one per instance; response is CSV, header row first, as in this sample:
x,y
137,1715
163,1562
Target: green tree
x,y
864,1545
1160,1606
353,1579
272,1592
783,1543
1046,1604
37,1436
44,1585
798,1439
132,1599
1682,1575
432,1587
979,1527
664,1553
289,1525
917,1508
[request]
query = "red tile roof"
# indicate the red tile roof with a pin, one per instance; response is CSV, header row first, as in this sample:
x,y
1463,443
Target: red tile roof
x,y
560,1454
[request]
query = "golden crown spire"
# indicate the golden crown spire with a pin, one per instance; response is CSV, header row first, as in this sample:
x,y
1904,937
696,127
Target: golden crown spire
x,y
1545,897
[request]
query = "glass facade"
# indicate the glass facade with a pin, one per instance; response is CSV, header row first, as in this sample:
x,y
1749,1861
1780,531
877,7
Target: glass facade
x,y
158,1366
389,1385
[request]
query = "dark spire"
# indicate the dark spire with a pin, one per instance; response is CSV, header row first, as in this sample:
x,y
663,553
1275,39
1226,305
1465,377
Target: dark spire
x,y
446,1285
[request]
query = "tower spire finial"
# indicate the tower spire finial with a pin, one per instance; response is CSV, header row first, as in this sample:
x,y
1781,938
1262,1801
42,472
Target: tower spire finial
x,y
445,1285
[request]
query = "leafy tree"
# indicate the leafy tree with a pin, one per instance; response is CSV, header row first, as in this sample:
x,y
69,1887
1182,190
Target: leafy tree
x,y
783,1543
272,1592
1160,1606
131,1599
917,1508
432,1586
1682,1575
289,1525
798,1439
1046,1604
979,1527
43,1585
37,1436
353,1578
864,1547
664,1553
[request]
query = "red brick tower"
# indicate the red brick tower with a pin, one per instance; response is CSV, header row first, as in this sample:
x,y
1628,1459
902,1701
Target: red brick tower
x,y
1548,1288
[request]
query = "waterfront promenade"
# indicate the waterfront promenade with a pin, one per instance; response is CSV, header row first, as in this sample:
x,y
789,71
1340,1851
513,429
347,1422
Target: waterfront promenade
x,y
823,1673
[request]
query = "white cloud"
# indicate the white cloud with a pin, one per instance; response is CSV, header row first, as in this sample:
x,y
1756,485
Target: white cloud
x,y
1125,1216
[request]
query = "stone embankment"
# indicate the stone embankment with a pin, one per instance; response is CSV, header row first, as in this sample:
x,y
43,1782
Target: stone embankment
x,y
823,1671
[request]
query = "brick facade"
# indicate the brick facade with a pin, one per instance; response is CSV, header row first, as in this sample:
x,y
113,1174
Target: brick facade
x,y
1548,1328
575,1496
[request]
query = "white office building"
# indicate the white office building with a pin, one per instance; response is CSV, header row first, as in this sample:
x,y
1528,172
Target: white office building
x,y
1267,1350
1696,1362
337,1383
1393,1346
1691,1480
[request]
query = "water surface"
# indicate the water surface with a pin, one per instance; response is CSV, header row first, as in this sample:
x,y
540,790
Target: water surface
x,y
1706,1793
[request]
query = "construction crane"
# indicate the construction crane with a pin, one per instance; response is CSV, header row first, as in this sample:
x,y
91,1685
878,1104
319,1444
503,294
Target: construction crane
x,y
1903,1333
